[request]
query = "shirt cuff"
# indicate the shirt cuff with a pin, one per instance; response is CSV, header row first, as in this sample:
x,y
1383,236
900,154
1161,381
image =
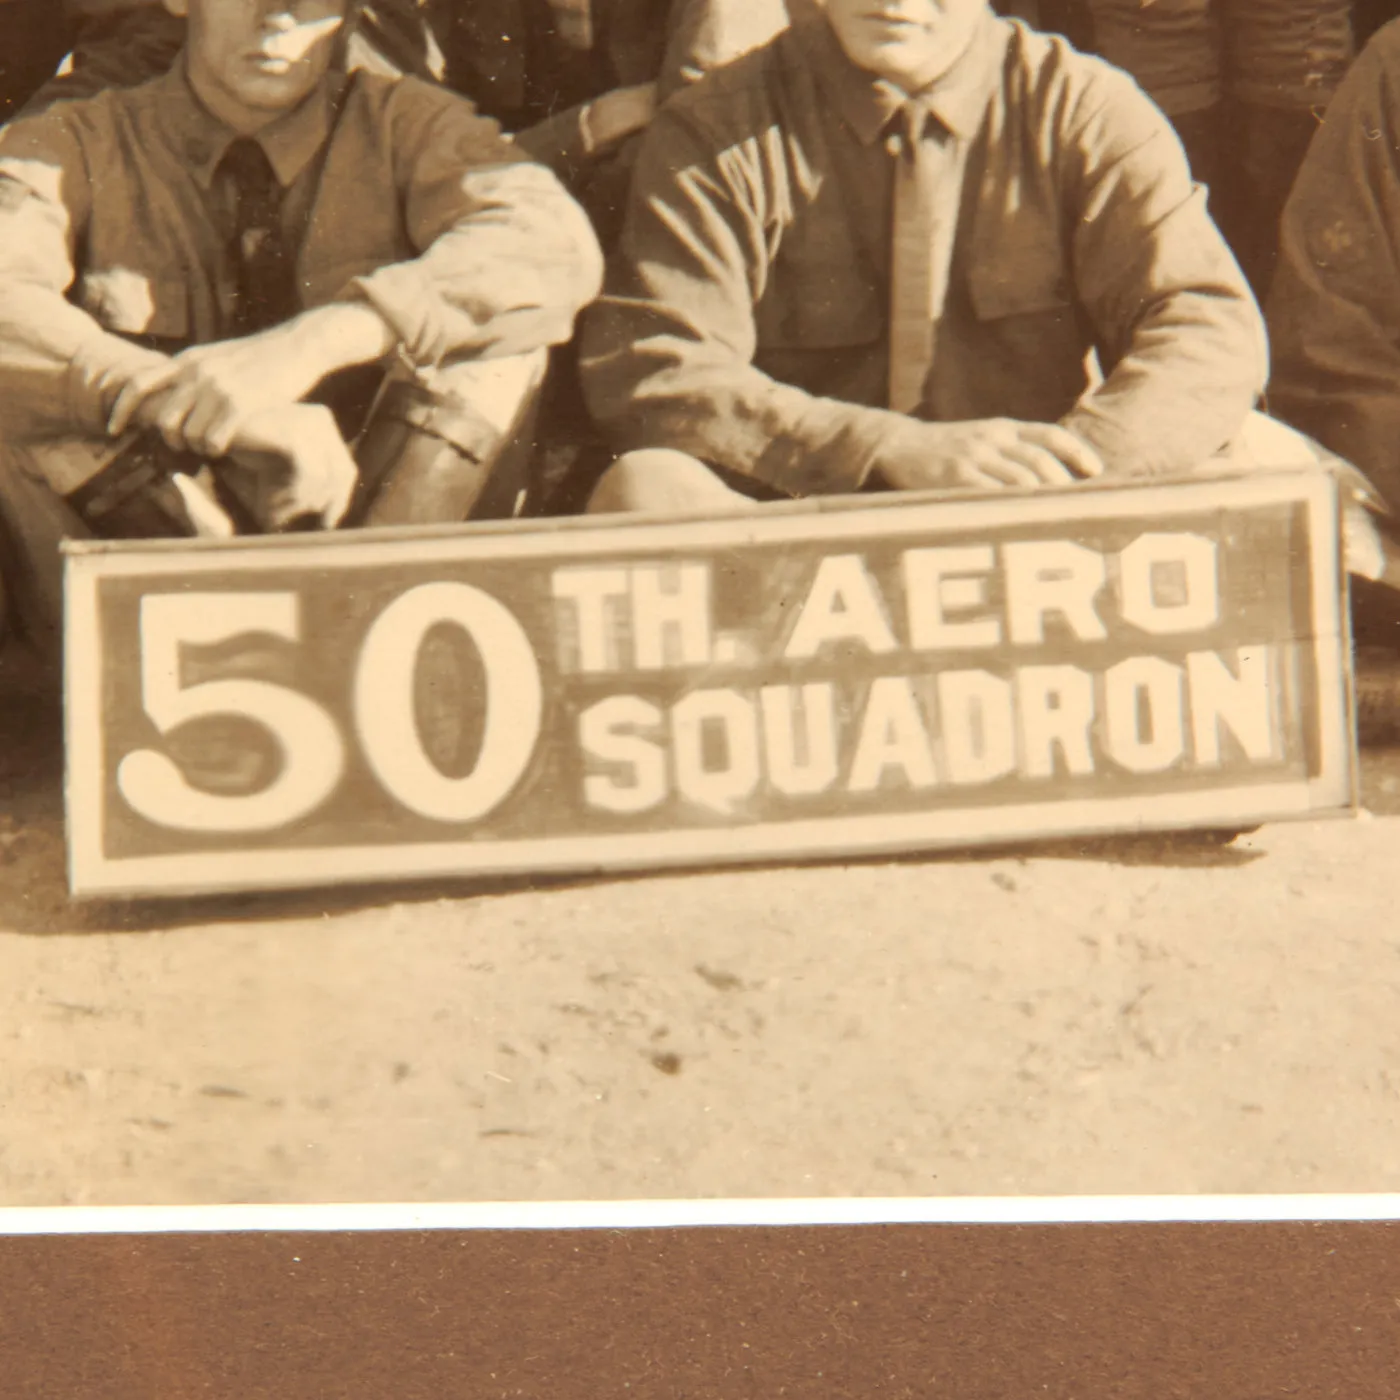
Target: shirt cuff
x,y
404,296
98,372
830,450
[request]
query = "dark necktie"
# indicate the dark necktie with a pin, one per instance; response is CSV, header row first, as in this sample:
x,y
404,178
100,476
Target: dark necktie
x,y
927,191
264,267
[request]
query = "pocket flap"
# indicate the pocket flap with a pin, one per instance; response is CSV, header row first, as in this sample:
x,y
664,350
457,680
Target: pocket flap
x,y
820,308
1019,277
134,303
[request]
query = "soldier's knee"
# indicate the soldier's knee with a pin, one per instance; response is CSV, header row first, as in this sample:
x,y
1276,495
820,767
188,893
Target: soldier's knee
x,y
662,480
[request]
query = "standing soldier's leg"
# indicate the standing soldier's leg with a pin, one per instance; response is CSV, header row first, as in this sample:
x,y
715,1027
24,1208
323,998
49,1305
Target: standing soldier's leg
x,y
1175,51
1285,59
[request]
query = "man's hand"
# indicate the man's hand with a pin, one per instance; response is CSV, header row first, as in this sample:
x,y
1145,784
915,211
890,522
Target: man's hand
x,y
983,454
201,399
289,463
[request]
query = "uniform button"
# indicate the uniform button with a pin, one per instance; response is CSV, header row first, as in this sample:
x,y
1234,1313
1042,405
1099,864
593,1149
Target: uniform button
x,y
894,144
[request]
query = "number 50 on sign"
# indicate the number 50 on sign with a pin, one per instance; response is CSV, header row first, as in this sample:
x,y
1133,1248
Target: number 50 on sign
x,y
890,674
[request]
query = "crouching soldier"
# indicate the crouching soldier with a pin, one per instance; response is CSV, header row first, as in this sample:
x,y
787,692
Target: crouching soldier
x,y
207,281
879,251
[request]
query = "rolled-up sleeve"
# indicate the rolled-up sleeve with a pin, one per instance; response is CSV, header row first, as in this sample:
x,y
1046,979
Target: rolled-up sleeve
x,y
668,349
507,258
60,370
1181,339
1334,308
706,34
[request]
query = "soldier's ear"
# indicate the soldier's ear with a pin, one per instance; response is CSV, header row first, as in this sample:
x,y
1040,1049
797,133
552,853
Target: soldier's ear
x,y
180,8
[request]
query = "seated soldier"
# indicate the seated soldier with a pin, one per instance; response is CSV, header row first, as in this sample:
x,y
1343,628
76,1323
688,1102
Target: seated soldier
x,y
573,79
1334,311
98,43
182,264
879,251
1246,83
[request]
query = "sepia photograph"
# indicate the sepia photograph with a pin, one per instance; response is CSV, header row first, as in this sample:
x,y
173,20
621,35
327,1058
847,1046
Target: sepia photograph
x,y
679,600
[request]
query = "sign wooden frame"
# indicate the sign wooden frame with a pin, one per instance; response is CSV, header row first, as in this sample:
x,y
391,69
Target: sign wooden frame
x,y
103,579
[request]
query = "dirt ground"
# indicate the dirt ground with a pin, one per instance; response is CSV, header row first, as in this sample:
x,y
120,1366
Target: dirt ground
x,y
1137,1016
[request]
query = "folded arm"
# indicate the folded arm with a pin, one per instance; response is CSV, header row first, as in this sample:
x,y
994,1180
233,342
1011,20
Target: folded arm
x,y
508,258
60,370
1179,334
668,349
1334,309
668,352
505,261
69,389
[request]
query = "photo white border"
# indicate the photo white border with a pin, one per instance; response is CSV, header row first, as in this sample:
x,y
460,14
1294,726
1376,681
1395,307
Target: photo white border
x,y
699,1214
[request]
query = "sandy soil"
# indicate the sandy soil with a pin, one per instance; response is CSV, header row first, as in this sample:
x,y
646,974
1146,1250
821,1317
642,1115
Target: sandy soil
x,y
1132,1016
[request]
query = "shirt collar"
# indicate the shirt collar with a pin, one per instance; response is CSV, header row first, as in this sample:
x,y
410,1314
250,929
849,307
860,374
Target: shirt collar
x,y
958,100
291,141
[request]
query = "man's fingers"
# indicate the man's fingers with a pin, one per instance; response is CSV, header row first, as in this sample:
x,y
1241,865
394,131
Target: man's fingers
x,y
342,491
135,392
322,485
205,415
305,469
339,476
211,427
289,511
170,420
197,354
1004,469
219,438
1073,451
1048,469
975,479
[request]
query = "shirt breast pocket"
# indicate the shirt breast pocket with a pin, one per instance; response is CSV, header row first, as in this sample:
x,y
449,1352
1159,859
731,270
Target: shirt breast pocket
x,y
1028,324
136,304
1021,277
819,303
1023,300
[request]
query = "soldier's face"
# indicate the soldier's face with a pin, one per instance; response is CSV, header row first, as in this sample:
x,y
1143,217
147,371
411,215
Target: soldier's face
x,y
259,56
909,42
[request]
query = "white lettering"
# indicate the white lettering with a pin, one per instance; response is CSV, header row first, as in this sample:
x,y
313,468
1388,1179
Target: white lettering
x,y
590,590
678,611
977,721
603,736
1056,706
384,696
312,752
733,778
892,735
1191,583
936,580
1243,702
1052,576
1142,714
843,604
814,737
